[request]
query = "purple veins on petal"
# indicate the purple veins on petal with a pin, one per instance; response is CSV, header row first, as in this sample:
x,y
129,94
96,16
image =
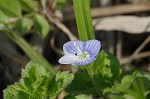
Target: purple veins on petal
x,y
80,53
70,47
93,47
83,62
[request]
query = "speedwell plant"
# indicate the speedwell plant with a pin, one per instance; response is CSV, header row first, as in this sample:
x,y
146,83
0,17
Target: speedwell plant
x,y
100,75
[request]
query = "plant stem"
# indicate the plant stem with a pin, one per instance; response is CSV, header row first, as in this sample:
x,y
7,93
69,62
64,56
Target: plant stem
x,y
84,19
92,80
29,50
85,28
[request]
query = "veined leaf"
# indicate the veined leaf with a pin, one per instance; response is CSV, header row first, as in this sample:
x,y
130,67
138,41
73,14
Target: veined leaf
x,y
41,25
29,5
61,80
37,83
105,69
3,17
134,86
128,79
81,85
23,25
10,7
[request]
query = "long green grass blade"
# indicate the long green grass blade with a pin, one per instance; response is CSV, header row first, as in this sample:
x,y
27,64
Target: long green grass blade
x,y
84,19
29,50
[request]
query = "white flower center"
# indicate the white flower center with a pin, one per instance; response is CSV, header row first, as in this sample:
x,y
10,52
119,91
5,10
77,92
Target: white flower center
x,y
81,54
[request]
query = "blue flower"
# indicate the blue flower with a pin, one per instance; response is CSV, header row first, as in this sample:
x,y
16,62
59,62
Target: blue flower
x,y
80,53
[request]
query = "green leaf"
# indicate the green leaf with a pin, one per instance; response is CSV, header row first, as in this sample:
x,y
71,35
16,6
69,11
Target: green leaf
x,y
132,87
3,17
84,19
37,83
62,79
123,87
23,25
78,96
13,92
32,69
31,85
10,7
105,69
60,4
41,25
128,96
128,79
81,85
145,77
29,5
114,96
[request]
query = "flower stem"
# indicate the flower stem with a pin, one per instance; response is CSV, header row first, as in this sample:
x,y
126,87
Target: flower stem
x,y
93,81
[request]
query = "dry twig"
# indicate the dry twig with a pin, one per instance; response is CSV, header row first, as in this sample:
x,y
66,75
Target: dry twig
x,y
136,54
59,25
57,22
52,43
120,9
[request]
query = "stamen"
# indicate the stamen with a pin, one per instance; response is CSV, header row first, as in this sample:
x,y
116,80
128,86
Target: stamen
x,y
83,55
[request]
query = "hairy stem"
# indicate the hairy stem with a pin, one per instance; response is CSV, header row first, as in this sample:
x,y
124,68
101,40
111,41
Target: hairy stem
x,y
93,81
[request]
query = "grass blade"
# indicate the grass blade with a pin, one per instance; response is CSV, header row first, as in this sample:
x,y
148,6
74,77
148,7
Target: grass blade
x,y
29,50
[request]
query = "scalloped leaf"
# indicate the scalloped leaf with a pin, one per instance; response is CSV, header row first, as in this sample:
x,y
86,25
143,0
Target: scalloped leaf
x,y
37,83
105,69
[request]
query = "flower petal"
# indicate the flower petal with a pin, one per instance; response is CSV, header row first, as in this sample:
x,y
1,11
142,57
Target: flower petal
x,y
93,47
83,62
68,59
73,47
